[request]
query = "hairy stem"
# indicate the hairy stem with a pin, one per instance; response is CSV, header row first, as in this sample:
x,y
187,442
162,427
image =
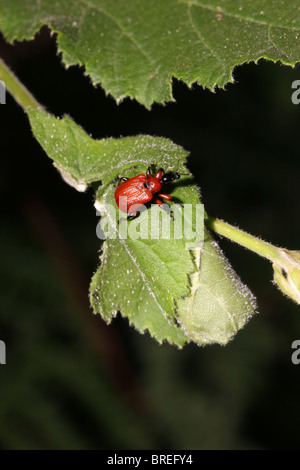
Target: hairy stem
x,y
255,244
22,96
286,263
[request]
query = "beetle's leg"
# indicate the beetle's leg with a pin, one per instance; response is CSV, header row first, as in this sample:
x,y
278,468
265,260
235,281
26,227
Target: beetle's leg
x,y
159,174
166,196
123,178
169,198
158,201
133,215
161,204
150,170
130,216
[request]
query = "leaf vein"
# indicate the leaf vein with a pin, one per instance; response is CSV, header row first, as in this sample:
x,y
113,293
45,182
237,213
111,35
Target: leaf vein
x,y
273,43
235,16
99,9
209,48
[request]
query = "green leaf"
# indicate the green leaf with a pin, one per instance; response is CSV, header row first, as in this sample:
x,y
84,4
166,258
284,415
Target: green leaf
x,y
140,277
83,160
134,48
143,278
162,285
219,304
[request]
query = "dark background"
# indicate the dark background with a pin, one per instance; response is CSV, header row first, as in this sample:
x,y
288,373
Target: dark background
x,y
70,381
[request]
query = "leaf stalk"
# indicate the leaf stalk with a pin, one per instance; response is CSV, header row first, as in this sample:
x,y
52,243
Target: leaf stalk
x,y
19,92
286,263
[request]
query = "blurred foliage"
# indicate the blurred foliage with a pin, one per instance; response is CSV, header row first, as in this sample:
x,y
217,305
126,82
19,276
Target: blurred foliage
x,y
72,382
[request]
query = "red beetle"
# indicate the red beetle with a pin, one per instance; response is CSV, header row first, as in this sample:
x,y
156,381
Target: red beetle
x,y
142,189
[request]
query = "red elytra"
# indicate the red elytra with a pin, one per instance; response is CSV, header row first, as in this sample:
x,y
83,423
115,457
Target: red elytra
x,y
134,192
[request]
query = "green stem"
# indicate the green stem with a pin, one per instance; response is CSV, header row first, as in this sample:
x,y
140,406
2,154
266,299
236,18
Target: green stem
x,y
255,244
22,96
286,263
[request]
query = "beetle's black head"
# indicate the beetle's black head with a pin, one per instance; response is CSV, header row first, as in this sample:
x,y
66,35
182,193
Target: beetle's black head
x,y
167,177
